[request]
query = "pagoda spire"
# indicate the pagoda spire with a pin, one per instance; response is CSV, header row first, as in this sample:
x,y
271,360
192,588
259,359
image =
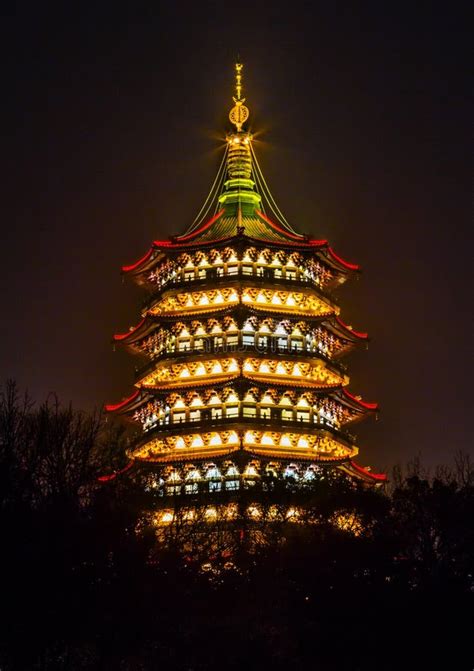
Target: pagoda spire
x,y
239,114
239,196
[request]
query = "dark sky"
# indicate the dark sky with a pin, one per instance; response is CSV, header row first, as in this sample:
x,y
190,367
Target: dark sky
x,y
113,123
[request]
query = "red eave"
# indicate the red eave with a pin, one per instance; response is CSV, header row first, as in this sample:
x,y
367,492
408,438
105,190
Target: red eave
x,y
202,228
113,407
173,245
112,476
363,404
137,264
380,477
346,264
279,229
124,336
168,244
358,334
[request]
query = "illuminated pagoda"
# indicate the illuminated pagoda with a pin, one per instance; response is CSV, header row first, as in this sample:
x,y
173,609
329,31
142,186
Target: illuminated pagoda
x,y
242,344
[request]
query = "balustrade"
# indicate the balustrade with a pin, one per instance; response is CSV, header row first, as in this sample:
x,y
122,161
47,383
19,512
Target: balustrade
x,y
241,411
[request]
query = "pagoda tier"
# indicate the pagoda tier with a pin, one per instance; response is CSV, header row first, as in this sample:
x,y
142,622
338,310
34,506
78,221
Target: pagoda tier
x,y
155,337
171,263
241,339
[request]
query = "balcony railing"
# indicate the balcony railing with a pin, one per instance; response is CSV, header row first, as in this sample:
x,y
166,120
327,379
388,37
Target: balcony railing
x,y
273,420
228,278
210,346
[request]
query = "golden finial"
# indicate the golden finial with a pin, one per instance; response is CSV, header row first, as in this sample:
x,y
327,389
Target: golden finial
x,y
239,114
238,80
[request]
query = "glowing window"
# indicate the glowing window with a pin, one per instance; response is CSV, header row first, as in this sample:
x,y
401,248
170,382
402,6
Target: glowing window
x,y
251,471
249,411
197,442
302,415
213,472
296,345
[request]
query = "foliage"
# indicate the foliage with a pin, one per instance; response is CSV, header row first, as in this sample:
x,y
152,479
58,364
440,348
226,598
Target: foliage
x,y
88,585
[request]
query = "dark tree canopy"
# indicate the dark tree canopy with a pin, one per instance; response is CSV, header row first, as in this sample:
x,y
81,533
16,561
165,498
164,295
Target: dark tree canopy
x,y
89,583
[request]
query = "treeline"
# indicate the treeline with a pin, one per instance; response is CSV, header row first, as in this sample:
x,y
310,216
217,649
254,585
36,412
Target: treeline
x,y
370,580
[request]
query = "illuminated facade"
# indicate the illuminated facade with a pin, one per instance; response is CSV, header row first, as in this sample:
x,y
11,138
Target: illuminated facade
x,y
241,341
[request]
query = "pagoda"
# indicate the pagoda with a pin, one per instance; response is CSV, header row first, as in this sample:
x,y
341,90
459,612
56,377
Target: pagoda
x,y
241,342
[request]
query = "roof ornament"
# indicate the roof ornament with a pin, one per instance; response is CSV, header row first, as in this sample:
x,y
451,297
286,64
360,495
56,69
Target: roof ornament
x,y
239,114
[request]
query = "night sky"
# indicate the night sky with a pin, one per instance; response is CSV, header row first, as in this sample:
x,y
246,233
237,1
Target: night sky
x,y
113,127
